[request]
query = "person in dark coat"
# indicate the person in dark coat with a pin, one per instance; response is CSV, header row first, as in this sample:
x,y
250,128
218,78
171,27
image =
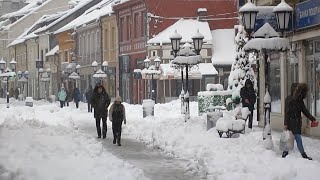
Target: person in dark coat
x,y
67,98
117,115
76,96
100,101
293,120
248,96
88,97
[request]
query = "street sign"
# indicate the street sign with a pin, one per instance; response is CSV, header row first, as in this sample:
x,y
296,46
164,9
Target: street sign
x,y
39,64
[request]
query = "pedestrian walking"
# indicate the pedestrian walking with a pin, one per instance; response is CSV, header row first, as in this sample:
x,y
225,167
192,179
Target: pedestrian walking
x,y
62,95
117,115
293,121
67,98
88,98
100,102
248,96
76,96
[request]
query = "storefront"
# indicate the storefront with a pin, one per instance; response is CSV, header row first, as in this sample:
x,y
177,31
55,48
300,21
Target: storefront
x,y
302,63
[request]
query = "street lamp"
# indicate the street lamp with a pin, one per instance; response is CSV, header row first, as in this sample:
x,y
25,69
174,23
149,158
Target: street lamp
x,y
283,12
105,66
7,74
175,42
78,68
197,41
151,70
249,13
94,66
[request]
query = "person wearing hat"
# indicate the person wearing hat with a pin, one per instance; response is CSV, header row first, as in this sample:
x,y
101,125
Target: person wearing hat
x,y
62,95
100,102
117,115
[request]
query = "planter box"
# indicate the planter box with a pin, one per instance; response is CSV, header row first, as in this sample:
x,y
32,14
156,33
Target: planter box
x,y
213,98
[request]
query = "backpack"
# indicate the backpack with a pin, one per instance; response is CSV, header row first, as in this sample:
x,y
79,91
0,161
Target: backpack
x,y
117,113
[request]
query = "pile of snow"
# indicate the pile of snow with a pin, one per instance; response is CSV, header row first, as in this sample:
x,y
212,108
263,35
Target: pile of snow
x,y
214,157
33,146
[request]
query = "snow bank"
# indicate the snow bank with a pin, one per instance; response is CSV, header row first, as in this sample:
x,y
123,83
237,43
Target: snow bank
x,y
35,147
213,157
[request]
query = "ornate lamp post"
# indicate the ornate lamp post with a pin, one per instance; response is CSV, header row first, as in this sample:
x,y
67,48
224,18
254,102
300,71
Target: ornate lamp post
x,y
249,13
152,70
39,65
283,12
94,66
8,74
197,42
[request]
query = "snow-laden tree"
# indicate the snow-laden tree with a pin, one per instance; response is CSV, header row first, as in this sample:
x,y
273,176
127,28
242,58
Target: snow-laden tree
x,y
241,69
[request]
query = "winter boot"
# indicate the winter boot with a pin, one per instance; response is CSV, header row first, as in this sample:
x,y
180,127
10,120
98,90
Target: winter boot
x,y
119,139
304,155
284,154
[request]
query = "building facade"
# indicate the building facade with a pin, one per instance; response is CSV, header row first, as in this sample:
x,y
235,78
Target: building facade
x,y
8,6
140,20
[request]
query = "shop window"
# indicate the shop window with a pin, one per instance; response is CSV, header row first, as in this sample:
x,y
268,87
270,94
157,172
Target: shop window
x,y
292,72
313,81
275,86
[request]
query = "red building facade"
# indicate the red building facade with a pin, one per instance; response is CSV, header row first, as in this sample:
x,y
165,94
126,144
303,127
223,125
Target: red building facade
x,y
139,20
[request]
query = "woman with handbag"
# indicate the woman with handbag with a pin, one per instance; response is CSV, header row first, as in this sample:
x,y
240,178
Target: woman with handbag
x,y
294,106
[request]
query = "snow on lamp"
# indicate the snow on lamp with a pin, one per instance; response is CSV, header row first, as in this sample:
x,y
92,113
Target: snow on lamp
x,y
197,41
157,62
249,13
49,72
13,64
146,63
2,64
175,42
283,12
94,65
19,73
105,66
78,67
69,68
26,74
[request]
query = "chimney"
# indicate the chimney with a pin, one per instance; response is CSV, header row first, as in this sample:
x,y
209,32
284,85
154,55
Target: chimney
x,y
202,12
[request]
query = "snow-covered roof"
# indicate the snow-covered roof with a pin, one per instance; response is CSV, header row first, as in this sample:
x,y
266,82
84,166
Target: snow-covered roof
x,y
78,6
53,51
30,32
24,12
93,14
186,28
224,48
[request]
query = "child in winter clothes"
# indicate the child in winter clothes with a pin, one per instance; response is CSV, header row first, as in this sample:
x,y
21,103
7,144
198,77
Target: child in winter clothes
x,y
117,115
62,95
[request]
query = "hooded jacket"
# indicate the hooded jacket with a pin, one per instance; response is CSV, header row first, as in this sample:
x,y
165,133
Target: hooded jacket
x,y
112,116
248,93
100,102
294,107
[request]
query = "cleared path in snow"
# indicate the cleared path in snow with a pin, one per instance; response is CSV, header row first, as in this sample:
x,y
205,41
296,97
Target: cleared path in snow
x,y
155,165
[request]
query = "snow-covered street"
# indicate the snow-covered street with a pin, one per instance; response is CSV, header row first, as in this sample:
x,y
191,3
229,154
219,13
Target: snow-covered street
x,y
47,142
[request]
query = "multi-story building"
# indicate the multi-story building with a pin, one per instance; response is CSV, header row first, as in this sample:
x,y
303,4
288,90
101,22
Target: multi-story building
x,y
302,62
140,20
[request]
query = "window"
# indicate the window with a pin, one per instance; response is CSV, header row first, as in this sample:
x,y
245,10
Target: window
x,y
98,41
106,44
144,24
93,45
275,86
122,30
113,38
128,28
41,55
66,56
136,25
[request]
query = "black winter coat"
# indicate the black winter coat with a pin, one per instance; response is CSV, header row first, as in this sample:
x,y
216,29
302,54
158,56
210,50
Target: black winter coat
x,y
100,102
248,93
292,118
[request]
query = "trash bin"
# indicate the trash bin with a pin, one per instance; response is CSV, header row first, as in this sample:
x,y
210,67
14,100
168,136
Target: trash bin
x,y
148,107
29,101
213,114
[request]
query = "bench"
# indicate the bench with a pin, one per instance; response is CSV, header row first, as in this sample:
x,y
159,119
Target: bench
x,y
233,122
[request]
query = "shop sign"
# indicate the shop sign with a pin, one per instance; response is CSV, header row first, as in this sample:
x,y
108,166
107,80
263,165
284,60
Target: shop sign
x,y
307,14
